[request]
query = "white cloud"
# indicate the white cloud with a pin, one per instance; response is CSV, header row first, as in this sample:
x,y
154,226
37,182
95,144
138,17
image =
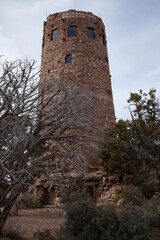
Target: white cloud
x,y
9,48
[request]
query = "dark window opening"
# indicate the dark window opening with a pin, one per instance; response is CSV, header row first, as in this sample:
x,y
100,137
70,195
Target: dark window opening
x,y
106,59
51,195
68,59
43,42
55,34
103,39
64,39
90,191
90,33
109,92
72,31
120,178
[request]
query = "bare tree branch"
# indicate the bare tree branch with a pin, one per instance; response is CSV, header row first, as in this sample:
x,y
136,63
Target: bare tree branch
x,y
44,128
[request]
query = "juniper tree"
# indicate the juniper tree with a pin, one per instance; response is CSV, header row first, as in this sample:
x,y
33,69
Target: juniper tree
x,y
133,146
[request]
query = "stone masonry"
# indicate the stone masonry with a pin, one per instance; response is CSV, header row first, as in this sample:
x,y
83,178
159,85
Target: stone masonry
x,y
88,68
90,65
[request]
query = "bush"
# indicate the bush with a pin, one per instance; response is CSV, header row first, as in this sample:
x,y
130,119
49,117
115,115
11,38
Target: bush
x,y
79,214
147,190
85,221
103,226
30,201
152,211
132,195
43,235
133,224
67,197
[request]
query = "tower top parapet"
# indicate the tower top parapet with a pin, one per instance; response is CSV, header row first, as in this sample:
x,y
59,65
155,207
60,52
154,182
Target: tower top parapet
x,y
73,14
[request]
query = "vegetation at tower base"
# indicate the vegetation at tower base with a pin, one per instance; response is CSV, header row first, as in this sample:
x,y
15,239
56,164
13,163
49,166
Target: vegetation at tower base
x,y
133,147
29,120
85,221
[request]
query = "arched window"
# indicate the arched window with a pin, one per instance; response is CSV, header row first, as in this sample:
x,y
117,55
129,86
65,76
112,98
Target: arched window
x,y
68,59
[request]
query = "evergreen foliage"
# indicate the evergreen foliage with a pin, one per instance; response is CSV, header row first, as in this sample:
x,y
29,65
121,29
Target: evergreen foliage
x,y
133,146
132,196
30,201
70,197
151,209
133,224
85,221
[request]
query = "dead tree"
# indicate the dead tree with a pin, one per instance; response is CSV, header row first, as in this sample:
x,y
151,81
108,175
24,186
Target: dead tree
x,y
41,130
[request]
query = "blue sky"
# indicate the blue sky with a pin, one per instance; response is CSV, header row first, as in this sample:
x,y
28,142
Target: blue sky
x,y
133,38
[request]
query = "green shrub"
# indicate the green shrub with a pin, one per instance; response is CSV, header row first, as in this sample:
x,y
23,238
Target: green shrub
x,y
43,235
152,211
85,221
133,224
67,197
70,197
30,201
79,214
147,190
132,195
103,226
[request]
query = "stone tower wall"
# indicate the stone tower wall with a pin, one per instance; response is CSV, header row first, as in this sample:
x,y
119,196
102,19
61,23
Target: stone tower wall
x,y
90,65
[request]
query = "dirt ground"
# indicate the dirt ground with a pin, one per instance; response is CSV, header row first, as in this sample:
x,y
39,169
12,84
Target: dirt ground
x,y
30,220
50,217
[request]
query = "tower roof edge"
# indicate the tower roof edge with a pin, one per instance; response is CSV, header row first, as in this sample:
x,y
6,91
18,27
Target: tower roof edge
x,y
73,12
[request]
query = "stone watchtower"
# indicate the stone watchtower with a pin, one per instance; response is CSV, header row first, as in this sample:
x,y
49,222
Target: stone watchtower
x,y
74,48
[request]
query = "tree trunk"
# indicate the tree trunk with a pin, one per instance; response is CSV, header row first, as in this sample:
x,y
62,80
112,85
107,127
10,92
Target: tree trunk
x,y
5,213
2,199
